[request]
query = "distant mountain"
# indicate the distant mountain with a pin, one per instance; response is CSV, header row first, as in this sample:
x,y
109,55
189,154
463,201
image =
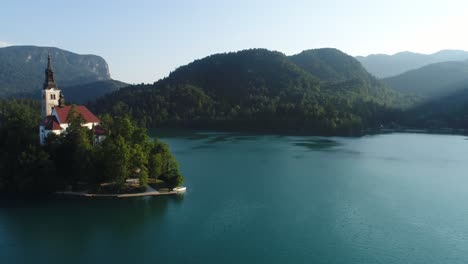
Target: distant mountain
x,y
335,68
22,69
84,93
330,64
382,66
432,81
321,91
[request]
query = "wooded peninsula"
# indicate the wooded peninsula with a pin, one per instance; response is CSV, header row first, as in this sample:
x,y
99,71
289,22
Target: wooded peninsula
x,y
73,161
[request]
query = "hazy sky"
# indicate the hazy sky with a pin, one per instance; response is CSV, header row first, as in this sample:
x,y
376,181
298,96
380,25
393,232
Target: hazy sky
x,y
143,40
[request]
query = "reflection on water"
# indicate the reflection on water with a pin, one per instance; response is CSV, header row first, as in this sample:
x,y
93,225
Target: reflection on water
x,y
208,140
85,220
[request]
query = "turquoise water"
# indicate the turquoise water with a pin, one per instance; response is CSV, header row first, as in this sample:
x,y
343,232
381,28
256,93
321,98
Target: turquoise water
x,y
396,198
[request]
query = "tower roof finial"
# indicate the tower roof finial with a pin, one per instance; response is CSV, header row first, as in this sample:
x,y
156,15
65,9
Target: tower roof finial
x,y
49,65
49,75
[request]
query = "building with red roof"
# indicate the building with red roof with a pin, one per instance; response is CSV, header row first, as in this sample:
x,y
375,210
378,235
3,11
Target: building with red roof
x,y
55,113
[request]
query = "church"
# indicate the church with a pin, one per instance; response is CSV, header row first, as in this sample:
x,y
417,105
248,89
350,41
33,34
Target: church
x,y
55,112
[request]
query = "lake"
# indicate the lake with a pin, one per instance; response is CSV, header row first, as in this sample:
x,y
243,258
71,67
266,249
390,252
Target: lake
x,y
393,198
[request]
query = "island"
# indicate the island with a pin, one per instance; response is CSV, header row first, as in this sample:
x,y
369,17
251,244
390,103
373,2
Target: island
x,y
77,153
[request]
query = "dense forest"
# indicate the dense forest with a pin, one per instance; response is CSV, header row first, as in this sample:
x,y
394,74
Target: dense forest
x,y
72,161
319,91
447,112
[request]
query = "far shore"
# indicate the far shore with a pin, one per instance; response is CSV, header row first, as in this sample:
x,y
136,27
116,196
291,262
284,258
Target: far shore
x,y
164,132
442,131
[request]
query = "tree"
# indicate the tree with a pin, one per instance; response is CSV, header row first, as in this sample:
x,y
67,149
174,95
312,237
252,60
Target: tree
x,y
122,126
35,172
155,165
139,163
172,175
117,159
74,119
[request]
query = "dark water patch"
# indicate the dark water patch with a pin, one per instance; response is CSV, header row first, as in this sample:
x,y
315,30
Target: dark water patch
x,y
299,156
244,138
233,138
219,139
316,143
203,146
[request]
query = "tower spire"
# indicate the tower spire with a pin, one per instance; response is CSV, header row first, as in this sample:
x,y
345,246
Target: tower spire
x,y
49,75
49,65
51,95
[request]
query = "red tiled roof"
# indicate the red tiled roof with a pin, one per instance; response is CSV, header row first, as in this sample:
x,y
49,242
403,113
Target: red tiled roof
x,y
51,123
62,113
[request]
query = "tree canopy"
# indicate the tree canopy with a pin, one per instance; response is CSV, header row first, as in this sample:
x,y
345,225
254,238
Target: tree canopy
x,y
74,159
262,90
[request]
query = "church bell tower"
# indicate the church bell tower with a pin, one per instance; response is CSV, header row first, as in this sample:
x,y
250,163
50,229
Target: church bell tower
x,y
50,92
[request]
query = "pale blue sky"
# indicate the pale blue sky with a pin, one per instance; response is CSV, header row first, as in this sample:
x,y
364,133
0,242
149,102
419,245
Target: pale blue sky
x,y
143,40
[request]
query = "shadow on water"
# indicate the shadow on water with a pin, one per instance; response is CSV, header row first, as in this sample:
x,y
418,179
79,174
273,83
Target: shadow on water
x,y
84,220
211,141
189,134
210,136
233,138
316,144
206,140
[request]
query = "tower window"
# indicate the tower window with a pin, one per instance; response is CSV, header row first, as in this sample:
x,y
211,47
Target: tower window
x,y
52,96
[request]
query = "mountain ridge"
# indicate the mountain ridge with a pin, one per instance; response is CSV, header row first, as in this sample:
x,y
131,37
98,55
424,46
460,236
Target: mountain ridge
x,y
260,89
329,64
433,80
384,66
22,69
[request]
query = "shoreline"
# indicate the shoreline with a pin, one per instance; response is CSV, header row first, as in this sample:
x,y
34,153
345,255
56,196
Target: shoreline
x,y
441,131
149,192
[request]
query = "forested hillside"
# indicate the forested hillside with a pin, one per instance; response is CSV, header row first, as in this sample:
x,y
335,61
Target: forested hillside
x,y
84,93
319,91
432,81
449,111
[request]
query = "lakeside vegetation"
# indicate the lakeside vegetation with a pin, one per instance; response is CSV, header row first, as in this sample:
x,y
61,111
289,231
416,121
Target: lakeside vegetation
x,y
71,161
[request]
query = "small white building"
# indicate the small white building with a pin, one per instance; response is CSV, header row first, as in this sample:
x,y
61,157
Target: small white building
x,y
55,112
